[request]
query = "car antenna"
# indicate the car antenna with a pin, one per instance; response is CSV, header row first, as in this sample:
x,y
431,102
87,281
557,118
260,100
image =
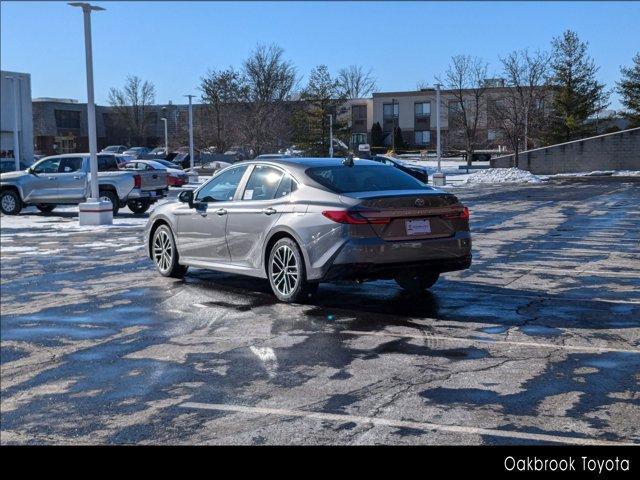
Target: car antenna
x,y
348,160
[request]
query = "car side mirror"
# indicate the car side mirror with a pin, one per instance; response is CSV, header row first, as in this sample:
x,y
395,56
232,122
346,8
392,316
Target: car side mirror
x,y
186,197
32,171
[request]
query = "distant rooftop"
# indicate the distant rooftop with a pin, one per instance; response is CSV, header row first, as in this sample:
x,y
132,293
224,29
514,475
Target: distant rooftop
x,y
57,100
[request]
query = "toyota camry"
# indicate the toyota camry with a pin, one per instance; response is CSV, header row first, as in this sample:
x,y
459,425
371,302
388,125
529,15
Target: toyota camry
x,y
298,222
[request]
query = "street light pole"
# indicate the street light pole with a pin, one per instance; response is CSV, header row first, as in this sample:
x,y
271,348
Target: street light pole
x,y
438,150
16,136
191,159
393,130
166,137
439,177
93,212
91,106
331,136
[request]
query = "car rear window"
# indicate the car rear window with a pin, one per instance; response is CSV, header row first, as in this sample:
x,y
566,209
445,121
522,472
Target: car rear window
x,y
364,178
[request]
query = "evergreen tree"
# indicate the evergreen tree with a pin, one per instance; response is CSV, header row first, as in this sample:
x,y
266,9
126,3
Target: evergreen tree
x,y
577,94
399,142
320,98
629,90
377,136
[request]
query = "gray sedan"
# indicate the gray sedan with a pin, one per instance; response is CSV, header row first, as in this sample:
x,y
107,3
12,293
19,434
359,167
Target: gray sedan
x,y
301,221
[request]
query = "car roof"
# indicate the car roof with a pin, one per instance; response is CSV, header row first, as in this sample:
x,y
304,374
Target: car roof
x,y
300,164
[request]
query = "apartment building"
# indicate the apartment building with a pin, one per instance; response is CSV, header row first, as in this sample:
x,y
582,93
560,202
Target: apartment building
x,y
414,112
358,114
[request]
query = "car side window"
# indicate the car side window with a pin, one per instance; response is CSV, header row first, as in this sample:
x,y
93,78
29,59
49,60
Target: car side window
x,y
70,165
287,185
263,183
107,163
221,188
48,166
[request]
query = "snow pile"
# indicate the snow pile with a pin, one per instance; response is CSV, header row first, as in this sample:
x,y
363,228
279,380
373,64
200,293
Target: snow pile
x,y
626,173
502,175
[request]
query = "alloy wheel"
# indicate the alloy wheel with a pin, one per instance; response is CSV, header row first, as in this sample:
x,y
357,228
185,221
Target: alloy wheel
x,y
163,251
284,270
8,203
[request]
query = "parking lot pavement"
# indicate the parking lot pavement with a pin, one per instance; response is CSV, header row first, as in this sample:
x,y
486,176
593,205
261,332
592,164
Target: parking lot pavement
x,y
539,342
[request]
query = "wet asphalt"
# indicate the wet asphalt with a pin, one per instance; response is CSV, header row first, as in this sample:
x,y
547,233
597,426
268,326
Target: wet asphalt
x,y
538,342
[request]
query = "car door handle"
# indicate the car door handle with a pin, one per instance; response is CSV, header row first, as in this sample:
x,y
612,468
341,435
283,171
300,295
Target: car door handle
x,y
269,211
221,211
51,178
76,177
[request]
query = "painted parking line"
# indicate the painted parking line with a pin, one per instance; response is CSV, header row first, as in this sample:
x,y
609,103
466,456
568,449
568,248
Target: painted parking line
x,y
553,346
387,422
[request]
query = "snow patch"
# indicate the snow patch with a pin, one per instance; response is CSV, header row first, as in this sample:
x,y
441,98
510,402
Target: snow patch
x,y
502,175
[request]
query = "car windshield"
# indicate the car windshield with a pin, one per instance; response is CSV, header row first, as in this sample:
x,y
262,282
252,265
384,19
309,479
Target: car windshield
x,y
364,178
167,163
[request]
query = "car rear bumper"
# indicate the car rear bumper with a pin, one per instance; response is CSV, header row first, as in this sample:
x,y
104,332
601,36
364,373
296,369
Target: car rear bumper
x,y
370,258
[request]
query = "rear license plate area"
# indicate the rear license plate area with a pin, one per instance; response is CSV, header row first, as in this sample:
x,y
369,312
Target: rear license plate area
x,y
418,227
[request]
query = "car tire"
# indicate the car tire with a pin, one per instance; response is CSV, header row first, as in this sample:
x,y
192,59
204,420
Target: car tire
x,y
112,197
417,283
138,206
165,254
10,202
46,207
287,274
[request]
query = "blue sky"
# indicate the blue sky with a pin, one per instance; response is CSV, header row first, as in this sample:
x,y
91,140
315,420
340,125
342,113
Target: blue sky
x,y
173,44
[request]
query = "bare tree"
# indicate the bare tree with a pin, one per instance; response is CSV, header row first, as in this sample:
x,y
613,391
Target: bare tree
x,y
466,78
269,81
518,109
221,92
354,82
132,105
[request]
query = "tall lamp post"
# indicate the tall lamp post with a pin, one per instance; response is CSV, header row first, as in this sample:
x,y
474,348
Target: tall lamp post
x,y
166,137
93,211
393,130
191,159
439,177
16,136
330,136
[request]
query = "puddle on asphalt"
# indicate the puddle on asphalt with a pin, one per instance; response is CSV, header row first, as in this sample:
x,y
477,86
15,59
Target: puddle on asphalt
x,y
540,331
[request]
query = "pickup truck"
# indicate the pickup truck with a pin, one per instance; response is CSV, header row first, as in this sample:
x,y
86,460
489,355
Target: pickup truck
x,y
64,180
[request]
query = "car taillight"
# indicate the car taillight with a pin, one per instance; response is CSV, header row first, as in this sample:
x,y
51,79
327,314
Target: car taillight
x,y
461,215
137,181
352,218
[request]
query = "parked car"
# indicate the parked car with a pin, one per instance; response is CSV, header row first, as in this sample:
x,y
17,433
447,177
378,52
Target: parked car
x,y
175,176
238,154
299,221
416,171
64,179
136,152
181,157
210,168
9,165
155,154
114,149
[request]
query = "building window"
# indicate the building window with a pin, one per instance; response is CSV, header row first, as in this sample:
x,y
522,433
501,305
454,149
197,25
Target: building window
x,y
67,119
423,109
390,110
358,139
359,112
423,137
491,135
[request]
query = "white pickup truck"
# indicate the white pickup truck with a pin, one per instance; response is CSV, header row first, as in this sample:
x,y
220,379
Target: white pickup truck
x,y
64,180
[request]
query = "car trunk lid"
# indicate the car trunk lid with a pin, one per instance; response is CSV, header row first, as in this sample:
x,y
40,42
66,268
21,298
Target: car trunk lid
x,y
410,214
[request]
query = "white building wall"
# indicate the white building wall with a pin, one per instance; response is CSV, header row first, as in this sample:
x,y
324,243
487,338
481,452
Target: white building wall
x,y
25,115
